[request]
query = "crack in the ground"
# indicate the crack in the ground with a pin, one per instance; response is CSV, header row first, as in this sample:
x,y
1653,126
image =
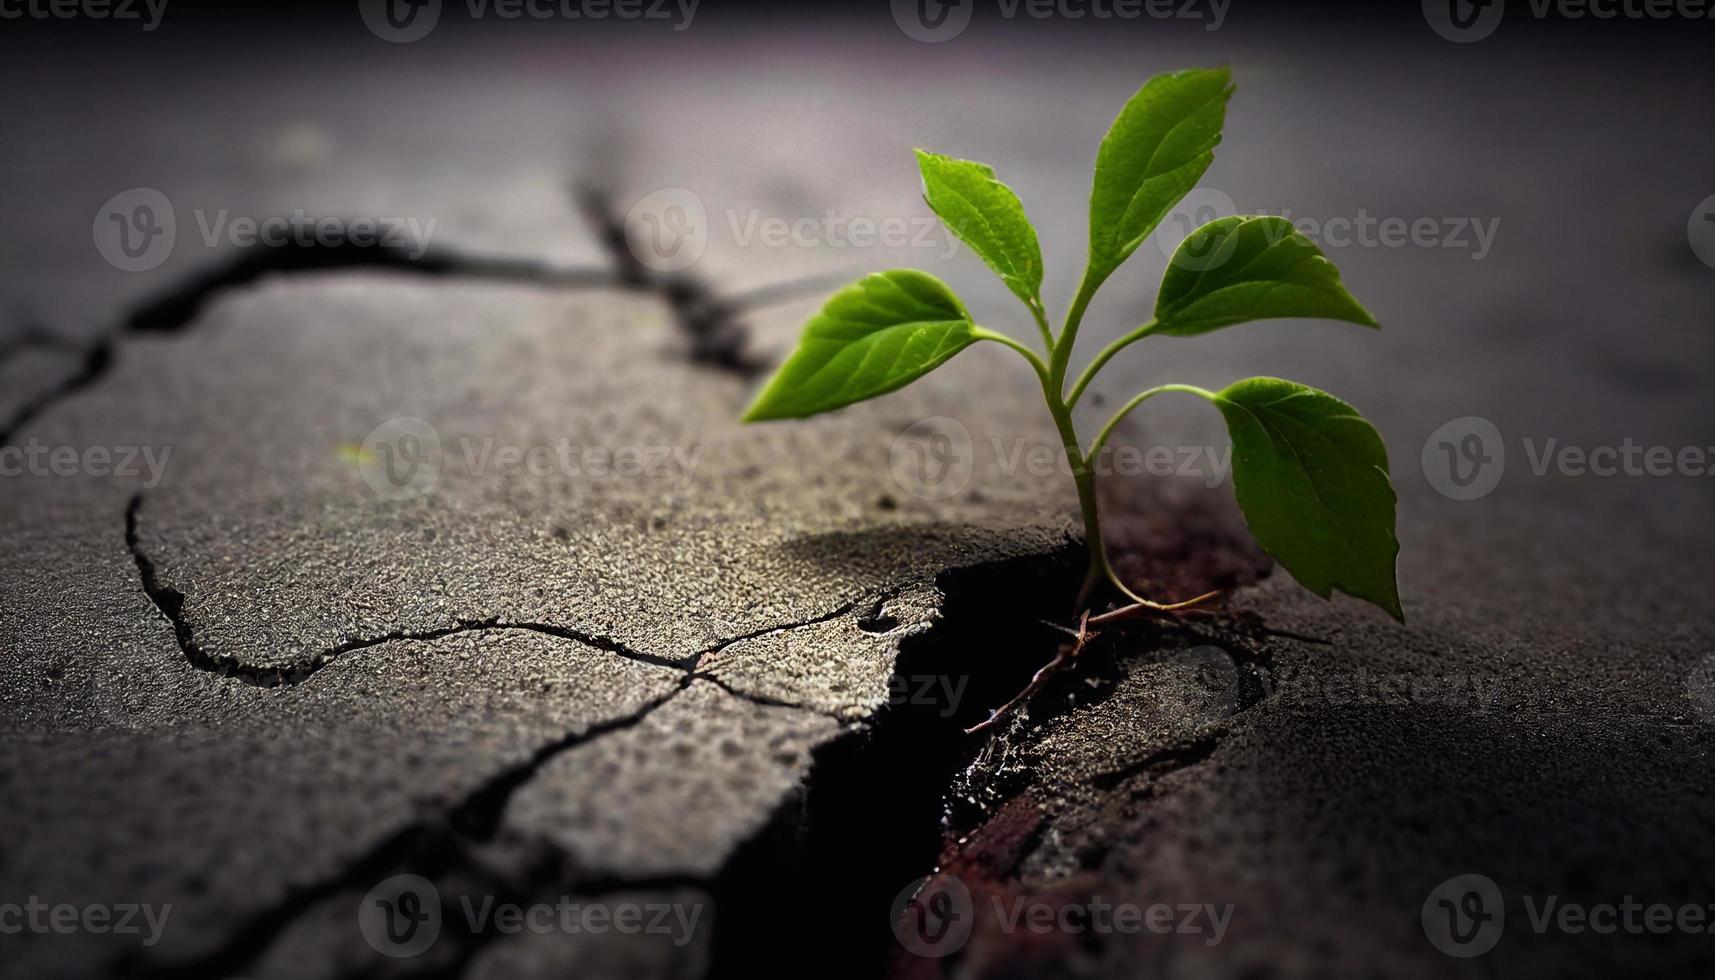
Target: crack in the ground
x,y
718,337
438,840
170,602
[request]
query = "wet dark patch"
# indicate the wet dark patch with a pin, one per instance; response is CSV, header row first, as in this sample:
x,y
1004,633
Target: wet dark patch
x,y
1172,538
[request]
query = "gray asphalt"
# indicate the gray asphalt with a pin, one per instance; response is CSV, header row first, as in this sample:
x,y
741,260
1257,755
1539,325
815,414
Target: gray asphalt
x,y
262,685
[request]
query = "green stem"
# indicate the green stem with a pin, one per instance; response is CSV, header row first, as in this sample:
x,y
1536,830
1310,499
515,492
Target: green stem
x,y
1061,350
1106,355
1139,399
1041,316
1029,355
1085,480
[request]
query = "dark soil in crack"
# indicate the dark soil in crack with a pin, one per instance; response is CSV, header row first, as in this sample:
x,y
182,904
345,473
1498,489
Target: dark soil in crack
x,y
1172,538
870,820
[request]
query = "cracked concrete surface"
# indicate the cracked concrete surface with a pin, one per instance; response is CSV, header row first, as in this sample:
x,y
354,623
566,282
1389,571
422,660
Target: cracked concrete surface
x,y
262,593
530,685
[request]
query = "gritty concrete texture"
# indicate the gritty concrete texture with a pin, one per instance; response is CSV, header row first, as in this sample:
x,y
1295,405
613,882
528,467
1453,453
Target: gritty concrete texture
x,y
616,807
294,595
342,636
30,373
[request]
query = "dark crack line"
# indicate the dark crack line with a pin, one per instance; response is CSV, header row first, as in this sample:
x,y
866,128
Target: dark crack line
x,y
719,338
765,701
477,817
170,602
97,358
721,646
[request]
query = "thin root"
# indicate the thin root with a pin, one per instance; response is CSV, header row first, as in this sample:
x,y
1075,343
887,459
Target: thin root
x,y
1066,654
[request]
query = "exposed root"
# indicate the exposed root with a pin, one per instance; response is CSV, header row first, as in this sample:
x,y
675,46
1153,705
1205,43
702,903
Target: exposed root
x,y
1065,655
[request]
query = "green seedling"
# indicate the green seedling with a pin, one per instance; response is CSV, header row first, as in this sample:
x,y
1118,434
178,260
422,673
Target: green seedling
x,y
1310,474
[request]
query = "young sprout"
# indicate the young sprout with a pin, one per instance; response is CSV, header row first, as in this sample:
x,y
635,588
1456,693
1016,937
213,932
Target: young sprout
x,y
1310,474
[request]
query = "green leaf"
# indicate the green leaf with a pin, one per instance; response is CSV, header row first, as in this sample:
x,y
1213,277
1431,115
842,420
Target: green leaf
x,y
1237,269
987,216
875,336
1155,152
1311,477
